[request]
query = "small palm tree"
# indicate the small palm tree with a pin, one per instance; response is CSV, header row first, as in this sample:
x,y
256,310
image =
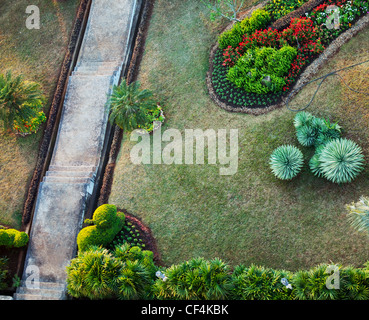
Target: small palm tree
x,y
129,105
20,100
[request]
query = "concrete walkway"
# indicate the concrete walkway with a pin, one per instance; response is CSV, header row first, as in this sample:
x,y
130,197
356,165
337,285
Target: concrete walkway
x,y
70,179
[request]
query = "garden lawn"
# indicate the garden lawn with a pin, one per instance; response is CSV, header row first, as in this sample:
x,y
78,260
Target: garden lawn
x,y
249,217
38,54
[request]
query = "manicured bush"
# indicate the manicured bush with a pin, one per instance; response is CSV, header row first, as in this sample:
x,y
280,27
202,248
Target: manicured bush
x,y
341,160
107,222
13,238
286,162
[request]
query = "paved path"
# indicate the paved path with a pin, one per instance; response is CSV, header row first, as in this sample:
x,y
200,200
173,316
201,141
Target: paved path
x,y
69,181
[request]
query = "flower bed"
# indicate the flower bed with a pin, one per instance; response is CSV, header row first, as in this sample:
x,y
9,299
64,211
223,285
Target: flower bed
x,y
238,83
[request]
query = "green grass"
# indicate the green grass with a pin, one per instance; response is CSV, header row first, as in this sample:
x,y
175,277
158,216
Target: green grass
x,y
250,217
38,55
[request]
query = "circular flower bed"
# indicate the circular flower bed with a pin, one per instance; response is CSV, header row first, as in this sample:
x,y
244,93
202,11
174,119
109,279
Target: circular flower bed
x,y
259,71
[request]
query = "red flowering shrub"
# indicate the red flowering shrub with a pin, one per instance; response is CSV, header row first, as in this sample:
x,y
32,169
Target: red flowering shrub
x,y
301,30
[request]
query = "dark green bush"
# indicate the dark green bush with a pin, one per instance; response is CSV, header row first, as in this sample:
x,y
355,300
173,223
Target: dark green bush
x,y
107,222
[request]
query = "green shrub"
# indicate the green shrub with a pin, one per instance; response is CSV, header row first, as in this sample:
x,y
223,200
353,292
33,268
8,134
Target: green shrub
x,y
311,284
286,162
258,20
262,70
195,279
107,222
302,118
341,160
125,273
13,238
260,283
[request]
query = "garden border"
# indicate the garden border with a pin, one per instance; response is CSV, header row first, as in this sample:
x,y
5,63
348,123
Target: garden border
x,y
305,76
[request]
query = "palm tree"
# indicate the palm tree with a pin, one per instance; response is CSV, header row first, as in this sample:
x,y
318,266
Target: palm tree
x,y
20,100
129,105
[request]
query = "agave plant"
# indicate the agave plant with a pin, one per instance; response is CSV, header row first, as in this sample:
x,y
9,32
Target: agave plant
x,y
302,118
129,106
358,215
341,160
306,135
314,162
286,162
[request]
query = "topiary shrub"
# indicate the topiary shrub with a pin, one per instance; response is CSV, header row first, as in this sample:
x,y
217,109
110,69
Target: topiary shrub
x,y
341,160
107,222
286,162
13,238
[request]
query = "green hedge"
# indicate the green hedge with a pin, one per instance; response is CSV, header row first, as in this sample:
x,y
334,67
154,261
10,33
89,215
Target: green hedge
x,y
107,222
13,238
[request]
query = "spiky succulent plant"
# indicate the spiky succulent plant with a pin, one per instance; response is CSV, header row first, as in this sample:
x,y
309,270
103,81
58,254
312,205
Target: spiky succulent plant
x,y
306,135
358,214
302,118
286,162
341,160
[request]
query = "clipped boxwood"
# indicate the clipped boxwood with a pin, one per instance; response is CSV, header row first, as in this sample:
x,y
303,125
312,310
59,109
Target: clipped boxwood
x,y
13,238
107,222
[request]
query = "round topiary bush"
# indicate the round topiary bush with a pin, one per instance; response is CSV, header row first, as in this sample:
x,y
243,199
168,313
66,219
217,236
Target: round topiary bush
x,y
341,160
286,162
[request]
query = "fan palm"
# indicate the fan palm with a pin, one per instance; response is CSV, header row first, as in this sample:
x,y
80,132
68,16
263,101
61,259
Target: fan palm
x,y
129,106
20,100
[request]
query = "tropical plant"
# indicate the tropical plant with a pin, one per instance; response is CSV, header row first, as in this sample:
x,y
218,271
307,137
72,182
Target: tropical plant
x,y
20,101
312,284
341,160
286,162
195,279
260,283
125,273
129,106
358,214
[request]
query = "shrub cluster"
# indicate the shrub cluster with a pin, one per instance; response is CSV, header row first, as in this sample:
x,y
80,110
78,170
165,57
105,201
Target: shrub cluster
x,y
124,273
262,70
12,238
259,19
129,273
107,222
280,8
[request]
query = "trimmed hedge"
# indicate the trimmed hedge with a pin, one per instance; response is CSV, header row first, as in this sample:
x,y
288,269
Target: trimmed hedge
x,y
107,222
13,238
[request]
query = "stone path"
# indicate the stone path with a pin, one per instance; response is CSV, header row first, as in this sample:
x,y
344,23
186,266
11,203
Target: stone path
x,y
70,179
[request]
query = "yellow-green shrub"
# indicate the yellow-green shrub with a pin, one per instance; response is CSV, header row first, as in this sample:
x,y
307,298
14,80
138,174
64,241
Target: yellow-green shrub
x,y
107,222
